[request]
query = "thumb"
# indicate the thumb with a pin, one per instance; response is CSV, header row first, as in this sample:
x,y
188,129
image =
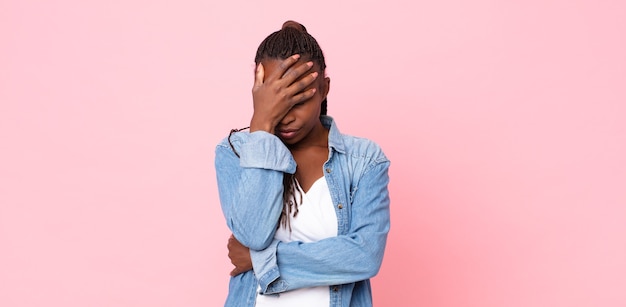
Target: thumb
x,y
259,75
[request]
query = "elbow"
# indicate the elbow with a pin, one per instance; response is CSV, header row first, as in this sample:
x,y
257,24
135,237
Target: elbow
x,y
372,267
252,237
374,258
368,266
258,243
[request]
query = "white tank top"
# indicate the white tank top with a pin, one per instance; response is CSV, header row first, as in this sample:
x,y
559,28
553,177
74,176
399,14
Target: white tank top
x,y
316,220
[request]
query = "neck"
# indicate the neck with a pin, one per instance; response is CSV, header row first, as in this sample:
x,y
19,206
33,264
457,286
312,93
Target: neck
x,y
317,138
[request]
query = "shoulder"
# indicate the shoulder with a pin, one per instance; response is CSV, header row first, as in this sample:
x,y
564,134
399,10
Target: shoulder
x,y
355,147
361,156
364,148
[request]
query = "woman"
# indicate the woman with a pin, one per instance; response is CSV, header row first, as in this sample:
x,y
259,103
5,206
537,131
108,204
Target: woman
x,y
308,206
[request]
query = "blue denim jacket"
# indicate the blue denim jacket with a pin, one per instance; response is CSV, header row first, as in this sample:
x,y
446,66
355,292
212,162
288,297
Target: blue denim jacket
x,y
250,189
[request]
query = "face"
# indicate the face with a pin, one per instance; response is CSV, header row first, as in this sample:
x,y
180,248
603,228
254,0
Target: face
x,y
302,125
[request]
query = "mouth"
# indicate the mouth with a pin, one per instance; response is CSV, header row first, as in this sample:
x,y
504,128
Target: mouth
x,y
287,133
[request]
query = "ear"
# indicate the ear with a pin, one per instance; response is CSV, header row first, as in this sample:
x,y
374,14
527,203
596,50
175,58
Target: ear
x,y
325,87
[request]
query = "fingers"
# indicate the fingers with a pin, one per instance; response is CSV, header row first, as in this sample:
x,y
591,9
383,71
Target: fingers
x,y
231,242
298,90
303,96
236,271
288,74
286,64
289,70
283,67
296,72
234,248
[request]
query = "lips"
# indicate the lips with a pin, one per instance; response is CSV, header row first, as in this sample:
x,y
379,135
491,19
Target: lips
x,y
287,133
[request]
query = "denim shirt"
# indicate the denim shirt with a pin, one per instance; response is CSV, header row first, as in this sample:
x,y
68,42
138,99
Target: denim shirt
x,y
250,189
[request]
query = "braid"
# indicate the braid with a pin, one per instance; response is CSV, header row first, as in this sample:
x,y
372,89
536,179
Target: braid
x,y
290,203
292,39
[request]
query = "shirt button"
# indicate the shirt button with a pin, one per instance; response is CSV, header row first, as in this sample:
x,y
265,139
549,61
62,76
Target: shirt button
x,y
335,289
340,206
328,170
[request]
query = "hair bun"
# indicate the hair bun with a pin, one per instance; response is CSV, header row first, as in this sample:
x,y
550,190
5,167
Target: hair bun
x,y
293,24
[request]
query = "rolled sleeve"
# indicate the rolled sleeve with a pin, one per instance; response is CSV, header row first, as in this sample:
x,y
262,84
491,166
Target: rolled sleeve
x,y
266,268
265,150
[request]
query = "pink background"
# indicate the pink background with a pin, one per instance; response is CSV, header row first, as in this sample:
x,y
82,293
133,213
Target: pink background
x,y
505,122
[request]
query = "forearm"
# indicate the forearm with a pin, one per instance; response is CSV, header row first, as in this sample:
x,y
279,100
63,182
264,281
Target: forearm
x,y
332,261
251,203
250,187
353,256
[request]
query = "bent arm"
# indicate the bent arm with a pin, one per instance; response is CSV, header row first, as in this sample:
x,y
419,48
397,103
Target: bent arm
x,y
347,258
250,186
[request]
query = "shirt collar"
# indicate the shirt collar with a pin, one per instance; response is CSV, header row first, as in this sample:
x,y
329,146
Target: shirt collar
x,y
335,139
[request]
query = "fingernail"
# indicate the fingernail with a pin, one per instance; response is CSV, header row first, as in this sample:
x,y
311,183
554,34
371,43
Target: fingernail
x,y
310,64
314,74
296,56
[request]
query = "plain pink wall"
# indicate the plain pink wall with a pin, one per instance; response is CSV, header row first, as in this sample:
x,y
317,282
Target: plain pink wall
x,y
505,122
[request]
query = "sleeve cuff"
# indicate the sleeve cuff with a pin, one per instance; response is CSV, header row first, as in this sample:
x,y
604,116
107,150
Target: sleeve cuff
x,y
266,269
266,151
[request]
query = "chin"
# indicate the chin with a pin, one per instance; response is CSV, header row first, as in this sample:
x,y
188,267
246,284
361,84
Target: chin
x,y
289,141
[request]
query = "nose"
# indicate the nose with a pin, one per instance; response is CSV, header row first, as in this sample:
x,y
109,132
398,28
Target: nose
x,y
287,119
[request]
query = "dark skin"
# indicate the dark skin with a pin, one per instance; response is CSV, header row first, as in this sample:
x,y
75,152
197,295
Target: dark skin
x,y
287,98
